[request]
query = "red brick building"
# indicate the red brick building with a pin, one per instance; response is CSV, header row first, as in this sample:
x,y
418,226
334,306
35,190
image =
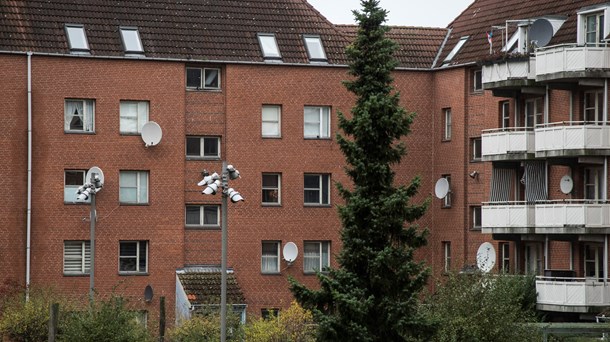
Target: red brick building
x,y
258,84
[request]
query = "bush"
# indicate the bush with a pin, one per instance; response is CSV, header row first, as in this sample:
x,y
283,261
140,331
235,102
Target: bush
x,y
205,326
294,324
26,321
105,321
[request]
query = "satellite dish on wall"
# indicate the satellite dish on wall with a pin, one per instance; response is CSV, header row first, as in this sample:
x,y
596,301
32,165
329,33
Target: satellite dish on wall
x,y
441,189
566,184
98,172
151,133
290,252
486,257
541,32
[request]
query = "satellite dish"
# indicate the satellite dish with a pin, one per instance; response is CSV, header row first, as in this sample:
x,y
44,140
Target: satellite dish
x,y
148,293
566,184
151,133
486,257
441,189
290,252
541,32
97,171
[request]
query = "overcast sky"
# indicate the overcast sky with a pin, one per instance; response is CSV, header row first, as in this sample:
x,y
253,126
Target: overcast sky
x,y
427,13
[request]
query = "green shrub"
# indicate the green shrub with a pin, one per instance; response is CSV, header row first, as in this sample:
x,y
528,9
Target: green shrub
x,y
26,321
205,326
294,324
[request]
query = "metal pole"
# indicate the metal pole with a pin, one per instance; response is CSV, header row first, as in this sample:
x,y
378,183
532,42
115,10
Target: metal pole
x,y
93,218
223,266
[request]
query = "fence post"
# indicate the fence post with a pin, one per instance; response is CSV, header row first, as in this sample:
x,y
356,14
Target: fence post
x,y
161,319
53,317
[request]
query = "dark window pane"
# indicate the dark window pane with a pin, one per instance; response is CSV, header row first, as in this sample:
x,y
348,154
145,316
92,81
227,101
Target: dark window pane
x,y
193,78
210,147
75,177
270,196
127,264
210,215
270,181
193,147
312,196
312,181
192,214
325,189
143,248
128,249
211,78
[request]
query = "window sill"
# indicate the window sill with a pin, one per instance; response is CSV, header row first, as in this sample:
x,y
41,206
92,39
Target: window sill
x,y
446,207
317,138
478,160
271,205
193,227
201,90
130,133
445,140
271,273
477,92
316,205
79,132
76,203
476,229
271,137
133,274
71,275
201,158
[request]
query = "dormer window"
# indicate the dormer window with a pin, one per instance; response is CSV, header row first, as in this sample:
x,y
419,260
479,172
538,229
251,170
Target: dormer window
x,y
315,49
131,40
455,50
77,38
592,27
269,46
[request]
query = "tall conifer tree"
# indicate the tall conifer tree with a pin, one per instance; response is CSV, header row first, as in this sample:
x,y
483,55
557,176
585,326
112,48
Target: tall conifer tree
x,y
373,295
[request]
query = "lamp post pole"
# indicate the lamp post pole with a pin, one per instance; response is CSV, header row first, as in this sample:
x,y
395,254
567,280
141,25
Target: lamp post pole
x,y
93,218
223,263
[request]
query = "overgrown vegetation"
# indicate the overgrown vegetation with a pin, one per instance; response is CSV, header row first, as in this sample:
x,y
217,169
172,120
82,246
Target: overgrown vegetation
x,y
482,307
205,326
294,324
24,321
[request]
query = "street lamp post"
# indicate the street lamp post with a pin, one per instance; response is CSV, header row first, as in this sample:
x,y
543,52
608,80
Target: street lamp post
x,y
212,182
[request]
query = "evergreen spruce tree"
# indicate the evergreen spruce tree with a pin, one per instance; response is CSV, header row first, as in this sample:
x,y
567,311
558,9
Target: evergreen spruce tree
x,y
373,295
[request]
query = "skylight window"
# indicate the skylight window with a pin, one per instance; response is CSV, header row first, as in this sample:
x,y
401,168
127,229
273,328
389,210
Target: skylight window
x,y
131,40
269,46
77,39
315,50
455,50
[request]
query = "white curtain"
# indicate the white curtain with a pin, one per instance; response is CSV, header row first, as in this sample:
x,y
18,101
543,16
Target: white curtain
x,y
269,262
311,259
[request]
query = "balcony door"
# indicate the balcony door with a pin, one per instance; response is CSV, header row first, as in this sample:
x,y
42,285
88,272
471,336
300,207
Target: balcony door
x,y
593,183
594,29
534,112
533,258
593,107
594,256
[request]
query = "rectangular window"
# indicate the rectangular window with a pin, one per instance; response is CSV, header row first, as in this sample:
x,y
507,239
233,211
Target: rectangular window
x,y
270,259
133,187
271,121
477,80
131,40
269,46
79,116
202,215
447,199
316,122
446,256
316,256
272,183
593,107
209,81
475,146
315,49
77,38
505,112
594,29
476,217
316,189
447,124
77,257
505,250
73,179
534,112
269,313
134,114
593,180
203,147
133,256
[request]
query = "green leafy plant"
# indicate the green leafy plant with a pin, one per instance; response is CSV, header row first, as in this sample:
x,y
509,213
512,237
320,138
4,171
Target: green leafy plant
x,y
294,324
205,326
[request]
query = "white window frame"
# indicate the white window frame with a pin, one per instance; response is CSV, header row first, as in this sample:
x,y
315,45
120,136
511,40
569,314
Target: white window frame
x,y
321,257
595,109
140,116
138,270
272,189
447,124
600,9
132,44
202,217
203,79
505,256
321,121
203,142
323,183
596,259
446,256
141,187
271,121
477,151
505,108
269,47
534,112
476,216
87,116
83,256
458,46
315,48
77,38
447,199
70,189
267,259
593,180
477,81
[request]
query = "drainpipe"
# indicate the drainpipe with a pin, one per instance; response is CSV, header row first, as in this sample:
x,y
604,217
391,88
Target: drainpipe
x,y
29,205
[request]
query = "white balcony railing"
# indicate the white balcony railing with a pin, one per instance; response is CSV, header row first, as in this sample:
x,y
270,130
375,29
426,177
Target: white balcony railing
x,y
576,213
572,292
503,141
574,135
570,58
507,215
509,69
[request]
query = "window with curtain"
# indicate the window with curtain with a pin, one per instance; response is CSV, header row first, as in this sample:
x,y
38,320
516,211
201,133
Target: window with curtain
x,y
77,257
79,116
202,215
271,124
316,122
133,257
133,115
271,188
270,259
133,187
316,256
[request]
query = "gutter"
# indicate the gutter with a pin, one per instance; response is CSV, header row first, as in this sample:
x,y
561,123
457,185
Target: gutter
x,y
29,204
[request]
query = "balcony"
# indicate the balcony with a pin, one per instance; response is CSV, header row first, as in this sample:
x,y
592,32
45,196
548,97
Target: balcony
x,y
517,72
571,61
507,218
574,138
571,294
572,217
507,144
